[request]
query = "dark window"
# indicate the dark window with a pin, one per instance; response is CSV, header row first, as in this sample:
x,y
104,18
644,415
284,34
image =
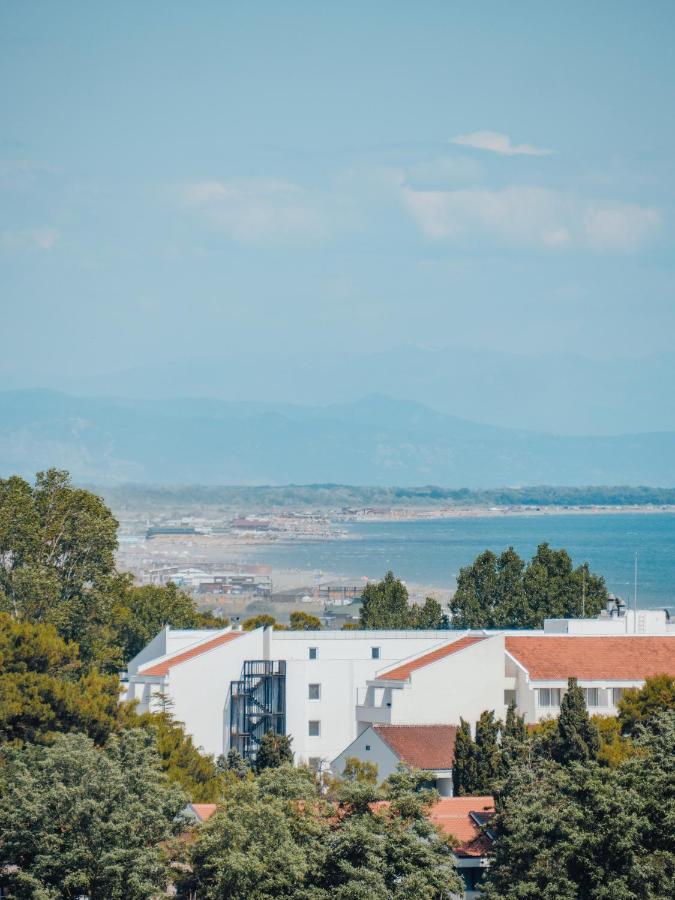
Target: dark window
x,y
367,746
314,728
314,692
375,652
312,653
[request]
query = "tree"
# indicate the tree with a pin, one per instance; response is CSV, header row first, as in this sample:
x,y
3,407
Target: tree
x,y
464,767
514,740
576,739
641,705
362,772
46,690
430,616
274,750
233,763
55,542
263,620
143,612
501,592
384,604
302,621
587,831
487,753
75,820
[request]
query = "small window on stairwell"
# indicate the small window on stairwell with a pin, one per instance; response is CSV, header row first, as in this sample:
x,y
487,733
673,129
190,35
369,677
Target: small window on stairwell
x,y
374,652
314,729
314,692
313,653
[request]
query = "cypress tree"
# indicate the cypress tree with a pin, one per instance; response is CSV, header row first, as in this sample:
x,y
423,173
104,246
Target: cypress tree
x,y
464,767
576,739
513,740
486,753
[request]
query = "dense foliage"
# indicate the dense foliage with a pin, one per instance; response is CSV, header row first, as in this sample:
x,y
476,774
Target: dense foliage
x,y
584,831
77,820
384,604
504,592
278,836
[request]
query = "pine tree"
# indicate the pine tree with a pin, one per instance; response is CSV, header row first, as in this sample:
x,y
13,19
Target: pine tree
x,y
274,751
577,738
514,741
487,753
464,767
385,604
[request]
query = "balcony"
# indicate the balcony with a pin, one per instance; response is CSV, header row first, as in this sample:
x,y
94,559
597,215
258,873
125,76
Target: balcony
x,y
377,715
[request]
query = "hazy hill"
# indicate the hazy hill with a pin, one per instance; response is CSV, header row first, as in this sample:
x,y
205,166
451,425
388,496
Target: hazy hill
x,y
377,441
556,393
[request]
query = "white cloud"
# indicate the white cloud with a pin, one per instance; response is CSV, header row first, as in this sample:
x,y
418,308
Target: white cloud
x,y
257,209
496,142
29,238
530,217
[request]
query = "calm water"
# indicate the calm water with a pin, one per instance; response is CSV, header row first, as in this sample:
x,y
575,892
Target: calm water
x,y
432,552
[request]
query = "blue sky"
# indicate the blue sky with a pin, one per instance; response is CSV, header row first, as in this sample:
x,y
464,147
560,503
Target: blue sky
x,y
181,181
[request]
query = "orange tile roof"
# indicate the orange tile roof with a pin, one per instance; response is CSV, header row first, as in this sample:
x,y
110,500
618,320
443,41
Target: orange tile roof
x,y
400,673
422,746
453,816
624,658
163,667
203,811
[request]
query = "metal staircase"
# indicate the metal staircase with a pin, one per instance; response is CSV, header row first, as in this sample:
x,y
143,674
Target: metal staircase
x,y
257,704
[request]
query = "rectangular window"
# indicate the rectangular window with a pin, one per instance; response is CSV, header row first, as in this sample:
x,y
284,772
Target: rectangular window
x,y
592,696
374,652
549,697
314,692
367,747
314,728
617,694
313,653
509,697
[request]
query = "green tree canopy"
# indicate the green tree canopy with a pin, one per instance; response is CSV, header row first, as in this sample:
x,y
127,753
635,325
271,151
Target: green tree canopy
x,y
502,592
384,605
640,705
76,820
274,751
56,541
587,831
576,738
45,689
262,620
302,621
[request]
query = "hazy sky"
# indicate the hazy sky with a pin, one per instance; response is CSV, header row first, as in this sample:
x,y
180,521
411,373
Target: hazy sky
x,y
186,179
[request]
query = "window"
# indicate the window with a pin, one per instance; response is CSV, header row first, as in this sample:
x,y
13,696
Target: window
x,y
367,746
374,652
548,697
313,653
617,694
314,762
509,698
595,697
314,728
314,692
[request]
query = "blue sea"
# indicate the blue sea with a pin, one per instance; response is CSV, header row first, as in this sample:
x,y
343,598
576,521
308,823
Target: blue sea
x,y
432,552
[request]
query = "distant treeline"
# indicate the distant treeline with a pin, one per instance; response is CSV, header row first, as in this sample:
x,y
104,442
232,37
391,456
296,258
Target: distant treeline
x,y
338,496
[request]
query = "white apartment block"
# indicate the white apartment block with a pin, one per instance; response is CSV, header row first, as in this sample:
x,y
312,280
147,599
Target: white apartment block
x,y
326,688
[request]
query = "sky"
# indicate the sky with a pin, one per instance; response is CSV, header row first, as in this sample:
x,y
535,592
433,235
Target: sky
x,y
189,181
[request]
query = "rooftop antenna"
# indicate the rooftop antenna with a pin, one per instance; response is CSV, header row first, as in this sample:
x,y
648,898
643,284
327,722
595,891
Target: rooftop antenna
x,y
635,594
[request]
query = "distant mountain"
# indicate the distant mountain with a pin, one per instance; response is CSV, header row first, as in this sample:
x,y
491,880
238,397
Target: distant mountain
x,y
554,393
374,441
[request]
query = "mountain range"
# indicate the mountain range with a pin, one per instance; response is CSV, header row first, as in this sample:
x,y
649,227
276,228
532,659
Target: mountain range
x,y
377,440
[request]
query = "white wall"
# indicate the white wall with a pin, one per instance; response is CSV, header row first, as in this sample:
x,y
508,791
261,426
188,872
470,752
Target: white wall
x,y
379,753
200,689
343,666
463,684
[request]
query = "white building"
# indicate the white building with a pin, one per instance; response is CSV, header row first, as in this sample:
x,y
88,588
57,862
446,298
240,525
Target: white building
x,y
326,688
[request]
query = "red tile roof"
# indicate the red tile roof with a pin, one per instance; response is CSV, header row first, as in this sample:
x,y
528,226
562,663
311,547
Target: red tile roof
x,y
625,658
203,811
453,816
422,746
163,667
400,673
